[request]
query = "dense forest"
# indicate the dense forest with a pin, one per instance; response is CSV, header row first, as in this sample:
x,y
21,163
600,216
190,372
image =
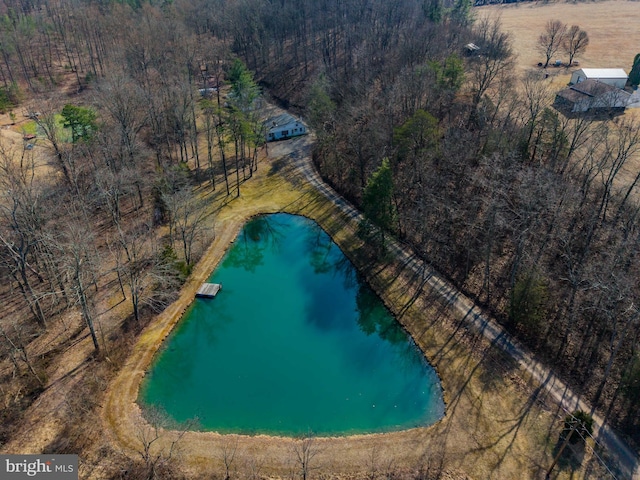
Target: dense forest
x,y
529,212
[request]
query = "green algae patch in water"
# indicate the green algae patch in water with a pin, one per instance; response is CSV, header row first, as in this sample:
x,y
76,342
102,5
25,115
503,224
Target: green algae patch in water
x,y
295,342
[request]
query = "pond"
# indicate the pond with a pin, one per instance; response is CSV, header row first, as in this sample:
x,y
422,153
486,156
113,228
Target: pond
x,y
295,342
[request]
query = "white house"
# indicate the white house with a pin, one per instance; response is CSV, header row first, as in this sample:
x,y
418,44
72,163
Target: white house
x,y
284,126
611,76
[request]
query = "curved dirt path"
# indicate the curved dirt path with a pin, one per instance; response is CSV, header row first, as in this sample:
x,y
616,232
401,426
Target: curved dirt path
x,y
628,461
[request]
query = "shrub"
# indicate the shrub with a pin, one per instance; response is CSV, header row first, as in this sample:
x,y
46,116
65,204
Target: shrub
x,y
179,268
582,422
528,302
10,97
634,74
631,379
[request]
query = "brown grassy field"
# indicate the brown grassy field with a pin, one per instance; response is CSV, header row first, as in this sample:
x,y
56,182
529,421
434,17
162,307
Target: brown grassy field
x,y
612,25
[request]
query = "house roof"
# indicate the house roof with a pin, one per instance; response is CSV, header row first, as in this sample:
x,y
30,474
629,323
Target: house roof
x,y
589,89
282,119
604,72
279,121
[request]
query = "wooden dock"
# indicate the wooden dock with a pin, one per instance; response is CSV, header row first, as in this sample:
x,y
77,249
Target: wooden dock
x,y
208,290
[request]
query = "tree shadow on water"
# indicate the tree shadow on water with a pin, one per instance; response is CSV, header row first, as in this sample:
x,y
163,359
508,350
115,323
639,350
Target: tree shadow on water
x,y
257,235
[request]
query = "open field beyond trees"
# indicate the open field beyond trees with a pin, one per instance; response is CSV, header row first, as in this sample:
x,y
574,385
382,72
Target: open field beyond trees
x,y
612,26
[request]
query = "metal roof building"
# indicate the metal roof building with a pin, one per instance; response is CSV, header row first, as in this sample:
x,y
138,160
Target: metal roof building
x,y
611,76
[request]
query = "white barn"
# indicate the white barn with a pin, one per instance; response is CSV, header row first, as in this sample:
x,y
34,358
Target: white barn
x,y
616,77
284,126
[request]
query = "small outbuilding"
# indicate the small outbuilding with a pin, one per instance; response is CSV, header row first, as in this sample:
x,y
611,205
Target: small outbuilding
x,y
616,77
591,96
471,48
284,126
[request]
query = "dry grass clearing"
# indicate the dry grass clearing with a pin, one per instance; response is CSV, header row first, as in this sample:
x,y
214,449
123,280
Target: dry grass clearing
x,y
612,25
13,144
497,424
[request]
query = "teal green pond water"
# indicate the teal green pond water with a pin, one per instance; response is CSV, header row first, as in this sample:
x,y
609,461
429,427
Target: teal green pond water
x,y
295,342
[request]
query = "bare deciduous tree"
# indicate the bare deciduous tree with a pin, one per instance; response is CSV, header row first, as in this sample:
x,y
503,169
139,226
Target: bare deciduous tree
x,y
187,217
21,222
575,43
123,102
48,123
228,452
496,60
134,260
373,462
537,92
550,41
15,344
82,263
158,443
254,465
305,450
